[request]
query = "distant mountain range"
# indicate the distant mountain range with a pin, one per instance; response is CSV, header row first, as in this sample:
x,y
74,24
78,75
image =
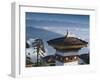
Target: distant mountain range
x,y
46,35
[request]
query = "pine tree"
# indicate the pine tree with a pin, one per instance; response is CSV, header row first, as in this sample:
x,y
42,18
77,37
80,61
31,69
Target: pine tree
x,y
39,46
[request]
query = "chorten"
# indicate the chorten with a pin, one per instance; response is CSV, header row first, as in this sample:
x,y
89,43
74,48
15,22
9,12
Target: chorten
x,y
67,49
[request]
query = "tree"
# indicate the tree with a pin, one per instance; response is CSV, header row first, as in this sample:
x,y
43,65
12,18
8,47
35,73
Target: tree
x,y
39,46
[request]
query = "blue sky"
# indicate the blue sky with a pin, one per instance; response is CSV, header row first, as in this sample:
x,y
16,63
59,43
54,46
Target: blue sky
x,y
35,17
60,23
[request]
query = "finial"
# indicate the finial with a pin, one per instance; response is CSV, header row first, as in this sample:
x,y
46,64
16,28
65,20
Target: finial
x,y
66,34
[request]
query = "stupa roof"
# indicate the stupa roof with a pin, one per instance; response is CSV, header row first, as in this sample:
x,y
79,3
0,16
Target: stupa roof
x,y
64,43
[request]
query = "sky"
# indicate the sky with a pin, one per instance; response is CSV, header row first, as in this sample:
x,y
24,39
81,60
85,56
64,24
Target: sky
x,y
58,20
77,25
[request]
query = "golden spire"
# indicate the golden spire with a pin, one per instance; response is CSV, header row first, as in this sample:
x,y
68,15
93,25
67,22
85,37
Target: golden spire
x,y
66,34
